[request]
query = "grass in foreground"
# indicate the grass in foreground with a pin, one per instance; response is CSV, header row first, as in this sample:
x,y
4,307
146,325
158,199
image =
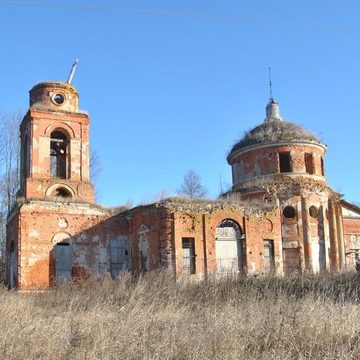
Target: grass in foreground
x,y
156,318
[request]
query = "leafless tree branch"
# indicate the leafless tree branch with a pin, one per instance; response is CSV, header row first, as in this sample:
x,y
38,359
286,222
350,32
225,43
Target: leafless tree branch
x,y
192,187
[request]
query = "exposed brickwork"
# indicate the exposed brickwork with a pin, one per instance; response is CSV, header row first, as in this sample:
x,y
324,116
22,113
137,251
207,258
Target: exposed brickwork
x,y
39,224
351,223
264,161
272,222
44,117
169,226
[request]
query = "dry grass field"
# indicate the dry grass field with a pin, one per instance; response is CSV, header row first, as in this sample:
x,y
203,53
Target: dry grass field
x,y
156,318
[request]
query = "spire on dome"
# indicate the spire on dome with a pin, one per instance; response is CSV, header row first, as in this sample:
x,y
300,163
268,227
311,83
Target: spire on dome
x,y
270,85
272,108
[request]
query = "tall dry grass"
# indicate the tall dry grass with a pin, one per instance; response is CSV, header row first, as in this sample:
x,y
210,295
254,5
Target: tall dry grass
x,y
157,318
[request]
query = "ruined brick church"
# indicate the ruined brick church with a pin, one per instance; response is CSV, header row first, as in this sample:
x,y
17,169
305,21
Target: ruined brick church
x,y
280,216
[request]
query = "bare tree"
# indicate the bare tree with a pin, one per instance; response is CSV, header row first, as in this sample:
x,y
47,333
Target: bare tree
x,y
9,170
191,186
224,187
9,157
95,166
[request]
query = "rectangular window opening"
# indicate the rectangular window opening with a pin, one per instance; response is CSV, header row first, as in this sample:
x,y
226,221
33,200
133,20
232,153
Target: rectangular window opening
x,y
269,257
188,252
285,162
309,163
63,262
322,167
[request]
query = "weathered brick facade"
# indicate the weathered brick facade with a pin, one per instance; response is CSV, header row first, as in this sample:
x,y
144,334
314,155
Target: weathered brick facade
x,y
280,216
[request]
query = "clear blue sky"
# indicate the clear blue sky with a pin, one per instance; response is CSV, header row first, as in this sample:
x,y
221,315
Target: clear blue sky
x,y
168,92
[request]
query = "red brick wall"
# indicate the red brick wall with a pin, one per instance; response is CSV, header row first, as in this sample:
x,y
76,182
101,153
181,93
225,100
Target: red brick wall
x,y
202,227
159,236
352,241
40,124
351,226
38,223
261,161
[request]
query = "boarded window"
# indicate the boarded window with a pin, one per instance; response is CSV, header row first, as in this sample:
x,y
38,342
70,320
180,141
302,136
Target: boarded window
x,y
58,155
188,252
119,256
63,262
292,261
309,163
230,248
269,258
285,162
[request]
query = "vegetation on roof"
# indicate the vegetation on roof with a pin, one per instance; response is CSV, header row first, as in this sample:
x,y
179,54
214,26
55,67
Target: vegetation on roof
x,y
39,105
59,84
275,131
231,201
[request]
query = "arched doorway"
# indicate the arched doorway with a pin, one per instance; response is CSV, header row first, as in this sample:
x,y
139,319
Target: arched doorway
x,y
230,248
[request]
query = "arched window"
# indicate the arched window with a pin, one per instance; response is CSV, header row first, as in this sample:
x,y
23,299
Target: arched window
x,y
58,155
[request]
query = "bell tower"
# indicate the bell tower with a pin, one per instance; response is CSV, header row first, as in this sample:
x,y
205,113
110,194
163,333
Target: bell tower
x,y
47,229
55,146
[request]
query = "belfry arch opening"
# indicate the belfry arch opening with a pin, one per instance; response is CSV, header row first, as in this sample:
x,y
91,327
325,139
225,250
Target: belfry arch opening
x,y
230,248
61,192
59,148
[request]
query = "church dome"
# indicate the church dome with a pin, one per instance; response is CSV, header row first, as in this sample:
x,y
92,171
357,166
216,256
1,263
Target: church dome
x,y
275,130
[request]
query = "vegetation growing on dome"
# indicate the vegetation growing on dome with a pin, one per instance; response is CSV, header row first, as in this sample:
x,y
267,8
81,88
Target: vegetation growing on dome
x,y
275,131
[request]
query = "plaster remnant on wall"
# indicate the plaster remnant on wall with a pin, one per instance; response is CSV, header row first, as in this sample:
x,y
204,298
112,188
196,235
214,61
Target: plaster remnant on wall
x,y
253,267
35,144
63,223
268,226
34,259
82,237
61,237
33,234
95,239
